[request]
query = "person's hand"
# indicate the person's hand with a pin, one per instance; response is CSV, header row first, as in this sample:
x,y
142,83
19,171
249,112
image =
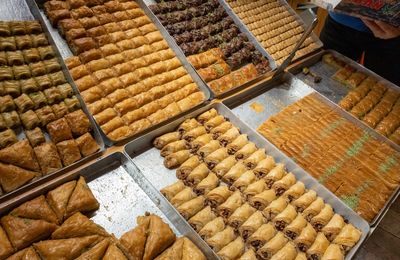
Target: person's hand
x,y
382,30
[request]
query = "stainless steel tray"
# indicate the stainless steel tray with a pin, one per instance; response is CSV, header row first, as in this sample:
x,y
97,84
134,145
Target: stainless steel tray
x,y
66,52
277,94
123,193
150,163
21,10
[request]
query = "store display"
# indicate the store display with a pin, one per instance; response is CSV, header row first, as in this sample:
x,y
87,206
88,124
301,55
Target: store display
x,y
359,169
222,54
254,209
35,97
275,27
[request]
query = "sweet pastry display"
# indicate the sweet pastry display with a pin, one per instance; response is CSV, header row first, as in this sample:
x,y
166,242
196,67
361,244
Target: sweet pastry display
x,y
358,168
243,203
369,99
54,227
127,75
277,29
36,101
222,55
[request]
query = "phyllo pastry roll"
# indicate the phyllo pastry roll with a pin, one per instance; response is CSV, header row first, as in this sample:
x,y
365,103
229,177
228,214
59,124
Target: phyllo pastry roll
x,y
255,158
263,199
246,151
295,191
211,228
229,136
251,224
315,207
226,209
165,139
305,200
288,252
301,256
306,238
348,237
200,141
261,236
224,166
234,173
202,217
334,226
221,239
221,129
318,248
264,166
176,159
183,196
207,184
187,167
198,174
170,191
284,184
191,207
188,125
209,148
248,255
294,229
323,217
254,189
233,250
192,134
218,196
174,147
244,181
240,215
333,252
275,174
214,122
216,157
204,117
237,144
285,217
275,207
183,248
272,246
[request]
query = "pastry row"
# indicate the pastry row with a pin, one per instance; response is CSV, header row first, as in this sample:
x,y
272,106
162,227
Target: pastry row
x,y
54,227
329,146
238,198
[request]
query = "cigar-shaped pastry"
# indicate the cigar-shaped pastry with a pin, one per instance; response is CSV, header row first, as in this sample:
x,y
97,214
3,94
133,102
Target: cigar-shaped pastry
x,y
254,189
284,218
214,122
250,254
263,199
288,252
334,226
305,200
198,174
323,217
306,238
191,207
251,225
170,191
183,196
284,184
233,250
200,141
275,174
174,147
295,191
211,228
275,207
234,173
240,215
207,184
221,239
333,252
187,167
261,236
192,134
229,136
216,157
226,209
218,196
244,181
188,125
246,151
204,117
272,246
347,237
318,248
221,129
301,256
223,167
237,144
199,220
315,207
255,158
208,149
294,229
264,167
174,160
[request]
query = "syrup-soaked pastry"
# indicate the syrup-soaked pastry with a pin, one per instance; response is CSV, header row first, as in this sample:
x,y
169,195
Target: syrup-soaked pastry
x,y
44,82
23,103
35,136
334,226
347,237
32,55
246,151
69,151
282,185
295,191
6,248
275,207
182,196
38,99
191,207
224,166
37,208
313,209
48,157
7,138
29,85
221,129
59,130
323,217
20,154
285,217
318,248
244,181
262,199
240,215
237,144
37,69
14,58
194,133
287,252
214,122
305,200
198,174
87,144
6,103
174,147
13,177
165,139
229,136
306,238
294,229
200,141
251,225
233,250
272,246
212,228
11,119
12,88
78,122
221,239
45,115
170,191
81,199
333,252
53,95
203,217
234,173
72,103
255,158
208,148
29,119
230,205
176,159
187,125
207,184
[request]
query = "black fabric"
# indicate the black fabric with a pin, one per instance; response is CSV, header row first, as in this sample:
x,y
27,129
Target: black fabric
x,y
381,56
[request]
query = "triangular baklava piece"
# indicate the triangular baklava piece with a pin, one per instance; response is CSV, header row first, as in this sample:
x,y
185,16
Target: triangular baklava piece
x,y
191,251
82,199
135,240
26,254
37,208
97,252
59,197
114,253
20,154
173,252
12,177
6,248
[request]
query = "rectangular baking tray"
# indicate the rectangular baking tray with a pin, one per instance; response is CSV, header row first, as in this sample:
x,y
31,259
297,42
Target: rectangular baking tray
x,y
20,10
244,30
123,193
64,49
271,98
148,160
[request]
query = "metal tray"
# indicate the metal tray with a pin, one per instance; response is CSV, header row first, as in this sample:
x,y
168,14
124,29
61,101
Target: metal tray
x,y
277,94
64,49
123,193
149,161
244,30
20,10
